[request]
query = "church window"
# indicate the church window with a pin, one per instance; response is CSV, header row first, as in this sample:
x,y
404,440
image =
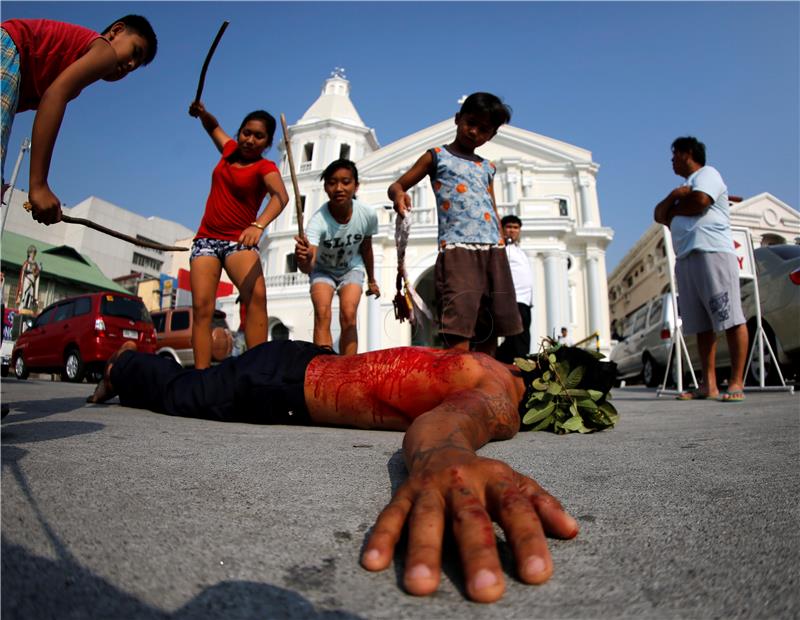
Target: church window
x,y
308,152
291,263
344,151
562,207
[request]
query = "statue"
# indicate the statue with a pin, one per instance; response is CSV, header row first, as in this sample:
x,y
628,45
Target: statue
x,y
28,287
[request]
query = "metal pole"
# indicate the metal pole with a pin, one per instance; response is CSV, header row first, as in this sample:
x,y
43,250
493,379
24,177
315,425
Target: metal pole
x,y
26,146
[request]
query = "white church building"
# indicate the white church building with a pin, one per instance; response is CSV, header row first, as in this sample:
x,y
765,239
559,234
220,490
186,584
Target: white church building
x,y
550,185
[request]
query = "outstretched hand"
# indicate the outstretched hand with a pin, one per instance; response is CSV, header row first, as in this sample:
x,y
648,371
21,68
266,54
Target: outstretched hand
x,y
470,491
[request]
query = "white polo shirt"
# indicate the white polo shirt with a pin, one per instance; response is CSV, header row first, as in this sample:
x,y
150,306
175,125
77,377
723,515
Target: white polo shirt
x,y
521,273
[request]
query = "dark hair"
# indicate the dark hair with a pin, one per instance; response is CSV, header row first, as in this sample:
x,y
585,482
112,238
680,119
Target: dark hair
x,y
266,118
693,146
142,27
511,219
338,165
486,103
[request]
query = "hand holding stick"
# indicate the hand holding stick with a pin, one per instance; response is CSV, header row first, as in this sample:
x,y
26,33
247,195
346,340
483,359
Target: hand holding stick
x,y
295,186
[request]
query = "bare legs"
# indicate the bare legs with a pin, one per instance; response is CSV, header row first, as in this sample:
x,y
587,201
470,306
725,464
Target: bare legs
x,y
738,341
244,270
204,275
737,345
349,298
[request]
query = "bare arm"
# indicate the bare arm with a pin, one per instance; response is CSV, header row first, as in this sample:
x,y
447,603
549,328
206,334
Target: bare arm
x,y
305,253
681,201
496,214
99,61
447,479
397,190
210,124
365,249
278,199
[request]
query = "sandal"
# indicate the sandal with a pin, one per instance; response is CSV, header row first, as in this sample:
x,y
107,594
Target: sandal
x,y
731,396
695,394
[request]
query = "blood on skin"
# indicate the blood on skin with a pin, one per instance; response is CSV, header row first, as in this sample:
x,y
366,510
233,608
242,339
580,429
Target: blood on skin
x,y
394,382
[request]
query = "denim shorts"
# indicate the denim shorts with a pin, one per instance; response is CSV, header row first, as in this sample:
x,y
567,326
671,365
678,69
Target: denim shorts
x,y
354,276
219,248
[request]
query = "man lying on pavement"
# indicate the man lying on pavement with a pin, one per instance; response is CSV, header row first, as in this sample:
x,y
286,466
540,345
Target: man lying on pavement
x,y
448,402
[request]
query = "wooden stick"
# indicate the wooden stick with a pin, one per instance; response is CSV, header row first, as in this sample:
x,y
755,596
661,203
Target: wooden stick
x,y
298,203
154,245
208,59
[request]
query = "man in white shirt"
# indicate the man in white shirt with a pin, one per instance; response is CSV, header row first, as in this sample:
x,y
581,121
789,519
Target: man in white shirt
x,y
518,345
707,272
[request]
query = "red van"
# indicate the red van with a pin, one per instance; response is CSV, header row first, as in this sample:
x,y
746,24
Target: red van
x,y
77,335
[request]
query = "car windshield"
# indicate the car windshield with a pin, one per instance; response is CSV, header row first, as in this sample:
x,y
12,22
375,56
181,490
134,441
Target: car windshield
x,y
112,305
786,252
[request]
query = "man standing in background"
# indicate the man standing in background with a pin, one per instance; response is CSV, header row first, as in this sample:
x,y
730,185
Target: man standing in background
x,y
519,344
698,216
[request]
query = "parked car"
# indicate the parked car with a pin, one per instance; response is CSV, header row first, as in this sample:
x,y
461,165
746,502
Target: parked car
x,y
646,338
778,270
77,335
174,334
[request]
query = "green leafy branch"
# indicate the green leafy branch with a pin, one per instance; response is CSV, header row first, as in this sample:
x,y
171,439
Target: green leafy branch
x,y
558,398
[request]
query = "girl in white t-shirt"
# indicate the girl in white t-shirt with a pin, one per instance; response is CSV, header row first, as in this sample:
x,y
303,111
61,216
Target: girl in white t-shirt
x,y
336,252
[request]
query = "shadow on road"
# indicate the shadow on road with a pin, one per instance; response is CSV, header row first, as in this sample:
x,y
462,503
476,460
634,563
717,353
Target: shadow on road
x,y
37,587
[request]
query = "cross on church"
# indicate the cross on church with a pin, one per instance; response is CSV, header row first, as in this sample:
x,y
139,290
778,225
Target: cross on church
x,y
338,72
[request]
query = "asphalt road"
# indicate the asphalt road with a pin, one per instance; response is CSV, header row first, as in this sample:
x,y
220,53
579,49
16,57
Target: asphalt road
x,y
687,510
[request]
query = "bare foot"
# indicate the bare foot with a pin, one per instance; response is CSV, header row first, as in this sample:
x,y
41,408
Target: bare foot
x,y
104,390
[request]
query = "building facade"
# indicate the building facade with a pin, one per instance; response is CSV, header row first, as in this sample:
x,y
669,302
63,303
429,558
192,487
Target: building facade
x,y
550,185
643,272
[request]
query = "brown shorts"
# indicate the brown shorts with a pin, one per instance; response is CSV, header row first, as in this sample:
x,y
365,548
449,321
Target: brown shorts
x,y
475,294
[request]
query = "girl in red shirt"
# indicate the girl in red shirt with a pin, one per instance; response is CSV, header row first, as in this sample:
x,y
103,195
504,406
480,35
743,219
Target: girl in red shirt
x,y
231,226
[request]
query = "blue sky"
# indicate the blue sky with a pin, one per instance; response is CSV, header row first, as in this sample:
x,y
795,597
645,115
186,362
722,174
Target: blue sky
x,y
619,79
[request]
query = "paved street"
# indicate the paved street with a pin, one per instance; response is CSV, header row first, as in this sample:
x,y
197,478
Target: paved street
x,y
687,510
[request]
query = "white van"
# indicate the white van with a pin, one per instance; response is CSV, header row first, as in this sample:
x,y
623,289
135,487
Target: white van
x,y
645,344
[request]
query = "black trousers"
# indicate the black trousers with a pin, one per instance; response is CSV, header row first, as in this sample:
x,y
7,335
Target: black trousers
x,y
518,345
263,385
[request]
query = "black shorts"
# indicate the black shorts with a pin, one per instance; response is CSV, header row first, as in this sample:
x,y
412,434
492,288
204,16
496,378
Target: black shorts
x,y
264,385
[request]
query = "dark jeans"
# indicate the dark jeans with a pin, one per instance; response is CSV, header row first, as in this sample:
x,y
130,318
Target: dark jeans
x,y
263,385
518,345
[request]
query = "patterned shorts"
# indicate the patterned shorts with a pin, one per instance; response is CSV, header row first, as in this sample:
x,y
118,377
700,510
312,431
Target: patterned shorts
x,y
9,77
219,248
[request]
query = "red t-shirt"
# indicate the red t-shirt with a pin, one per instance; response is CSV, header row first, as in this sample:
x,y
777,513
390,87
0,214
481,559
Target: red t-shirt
x,y
235,197
46,48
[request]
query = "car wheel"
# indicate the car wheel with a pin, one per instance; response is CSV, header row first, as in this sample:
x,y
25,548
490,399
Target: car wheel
x,y
651,372
74,369
20,368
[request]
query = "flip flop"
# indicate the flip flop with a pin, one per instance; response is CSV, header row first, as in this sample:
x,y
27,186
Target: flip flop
x,y
692,395
731,396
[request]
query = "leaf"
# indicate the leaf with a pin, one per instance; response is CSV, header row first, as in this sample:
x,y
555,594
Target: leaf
x,y
595,394
533,416
539,384
595,354
536,396
573,409
575,423
578,393
574,377
554,388
525,364
552,358
587,403
547,375
543,424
